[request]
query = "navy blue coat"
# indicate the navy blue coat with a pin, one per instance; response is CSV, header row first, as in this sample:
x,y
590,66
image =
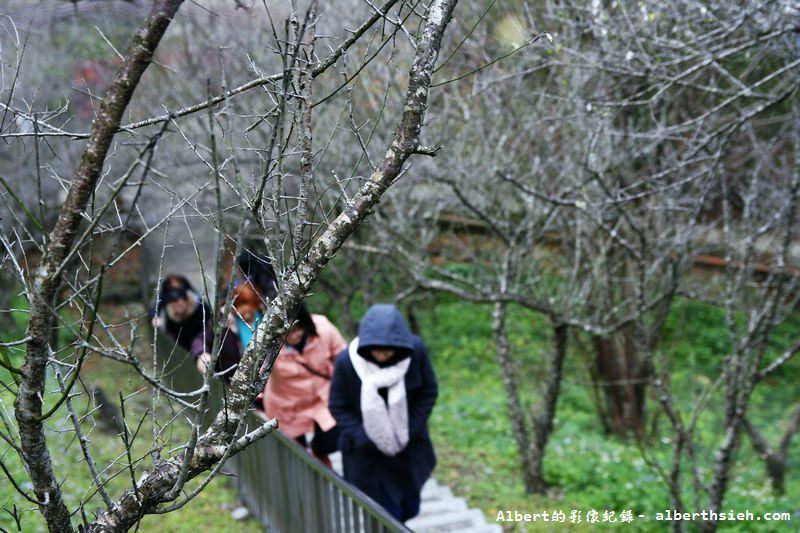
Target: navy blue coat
x,y
364,465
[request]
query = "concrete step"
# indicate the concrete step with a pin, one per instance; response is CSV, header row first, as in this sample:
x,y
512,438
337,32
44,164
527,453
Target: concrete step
x,y
436,492
431,507
431,484
449,521
487,528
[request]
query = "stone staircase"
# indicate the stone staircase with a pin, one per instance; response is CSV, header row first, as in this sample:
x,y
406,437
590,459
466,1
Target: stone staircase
x,y
440,511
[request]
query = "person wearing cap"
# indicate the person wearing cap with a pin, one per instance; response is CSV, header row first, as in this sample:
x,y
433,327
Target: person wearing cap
x,y
181,313
382,393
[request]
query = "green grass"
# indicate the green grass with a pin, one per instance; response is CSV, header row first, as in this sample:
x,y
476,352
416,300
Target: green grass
x,y
587,469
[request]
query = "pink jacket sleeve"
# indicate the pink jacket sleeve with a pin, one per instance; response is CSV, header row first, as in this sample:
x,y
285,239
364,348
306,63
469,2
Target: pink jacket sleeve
x,y
332,337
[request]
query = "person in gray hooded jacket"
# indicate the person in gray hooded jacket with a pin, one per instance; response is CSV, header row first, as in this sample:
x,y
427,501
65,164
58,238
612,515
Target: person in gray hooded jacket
x,y
382,392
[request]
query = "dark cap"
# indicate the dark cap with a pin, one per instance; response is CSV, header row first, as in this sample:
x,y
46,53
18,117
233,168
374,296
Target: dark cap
x,y
170,295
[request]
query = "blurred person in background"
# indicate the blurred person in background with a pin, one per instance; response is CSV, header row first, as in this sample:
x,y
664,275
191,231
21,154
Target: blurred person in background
x,y
258,269
180,312
251,296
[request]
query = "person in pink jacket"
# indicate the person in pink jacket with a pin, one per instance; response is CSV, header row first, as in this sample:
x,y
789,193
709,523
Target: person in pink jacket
x,y
297,390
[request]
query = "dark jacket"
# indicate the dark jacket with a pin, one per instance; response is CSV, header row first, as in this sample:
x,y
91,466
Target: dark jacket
x,y
196,333
364,465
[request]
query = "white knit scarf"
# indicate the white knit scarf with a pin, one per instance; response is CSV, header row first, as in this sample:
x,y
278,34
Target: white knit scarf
x,y
386,426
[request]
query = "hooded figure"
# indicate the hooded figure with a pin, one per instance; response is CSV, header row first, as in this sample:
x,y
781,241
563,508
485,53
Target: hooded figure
x,y
382,393
181,312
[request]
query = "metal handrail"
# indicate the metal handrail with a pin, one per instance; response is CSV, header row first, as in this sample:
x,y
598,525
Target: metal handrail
x,y
286,488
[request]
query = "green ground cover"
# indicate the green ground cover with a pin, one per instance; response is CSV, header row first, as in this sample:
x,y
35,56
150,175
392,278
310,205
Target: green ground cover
x,y
477,454
587,468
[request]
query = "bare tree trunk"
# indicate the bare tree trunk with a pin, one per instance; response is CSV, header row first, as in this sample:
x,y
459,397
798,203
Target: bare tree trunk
x,y
531,450
622,379
723,462
543,426
534,482
775,458
305,80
